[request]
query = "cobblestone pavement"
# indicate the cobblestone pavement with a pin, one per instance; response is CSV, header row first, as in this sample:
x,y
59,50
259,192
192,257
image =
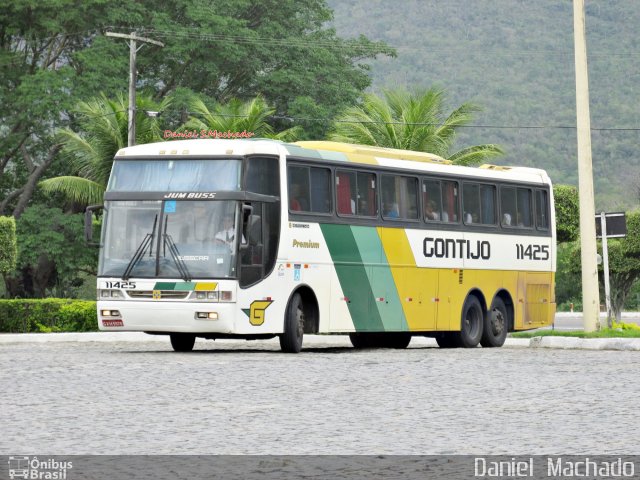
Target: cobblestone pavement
x,y
248,398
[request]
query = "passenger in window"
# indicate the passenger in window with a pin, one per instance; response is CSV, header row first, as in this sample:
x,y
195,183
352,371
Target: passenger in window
x,y
506,219
430,211
297,200
363,207
468,218
391,210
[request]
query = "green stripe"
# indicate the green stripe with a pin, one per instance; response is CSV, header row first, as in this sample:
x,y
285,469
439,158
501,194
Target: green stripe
x,y
183,286
352,276
380,278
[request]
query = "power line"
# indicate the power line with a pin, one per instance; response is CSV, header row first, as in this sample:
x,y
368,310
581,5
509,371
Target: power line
x,y
373,122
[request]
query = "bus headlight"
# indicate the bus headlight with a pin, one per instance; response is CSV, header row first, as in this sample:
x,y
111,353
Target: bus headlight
x,y
206,296
104,294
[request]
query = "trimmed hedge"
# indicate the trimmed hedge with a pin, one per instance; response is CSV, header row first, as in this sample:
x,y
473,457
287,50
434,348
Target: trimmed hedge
x,y
47,315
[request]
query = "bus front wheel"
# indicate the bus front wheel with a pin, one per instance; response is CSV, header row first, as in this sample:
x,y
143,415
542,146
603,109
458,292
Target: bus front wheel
x,y
291,338
495,325
182,342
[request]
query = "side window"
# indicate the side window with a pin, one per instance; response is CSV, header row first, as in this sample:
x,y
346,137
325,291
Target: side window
x,y
479,204
516,207
525,208
399,197
263,176
440,200
508,206
309,189
542,209
450,204
356,193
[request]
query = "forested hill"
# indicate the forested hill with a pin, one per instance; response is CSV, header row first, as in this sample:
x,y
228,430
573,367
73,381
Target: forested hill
x,y
515,58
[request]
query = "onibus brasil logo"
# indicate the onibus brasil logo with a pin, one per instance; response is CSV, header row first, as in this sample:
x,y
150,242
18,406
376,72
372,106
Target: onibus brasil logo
x,y
33,468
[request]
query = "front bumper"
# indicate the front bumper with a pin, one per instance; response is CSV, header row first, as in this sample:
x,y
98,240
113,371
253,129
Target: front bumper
x,y
166,317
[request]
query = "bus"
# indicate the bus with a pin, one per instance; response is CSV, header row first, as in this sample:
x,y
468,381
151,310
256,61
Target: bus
x,y
254,239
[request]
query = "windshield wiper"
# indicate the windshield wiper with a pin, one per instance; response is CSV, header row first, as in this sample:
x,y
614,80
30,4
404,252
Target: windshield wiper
x,y
175,254
146,241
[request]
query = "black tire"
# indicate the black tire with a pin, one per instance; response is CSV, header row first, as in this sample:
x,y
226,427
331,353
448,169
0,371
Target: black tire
x,y
182,342
360,340
447,339
291,338
471,323
399,340
496,325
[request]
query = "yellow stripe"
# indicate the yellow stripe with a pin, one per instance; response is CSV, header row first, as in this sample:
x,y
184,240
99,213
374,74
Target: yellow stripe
x,y
208,286
417,284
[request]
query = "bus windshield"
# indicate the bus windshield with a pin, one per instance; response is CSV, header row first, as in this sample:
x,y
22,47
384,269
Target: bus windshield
x,y
175,175
169,239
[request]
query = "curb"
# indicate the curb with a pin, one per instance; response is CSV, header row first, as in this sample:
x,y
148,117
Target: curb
x,y
631,344
585,343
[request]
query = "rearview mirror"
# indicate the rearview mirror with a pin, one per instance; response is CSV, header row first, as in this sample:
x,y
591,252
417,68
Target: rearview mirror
x,y
88,223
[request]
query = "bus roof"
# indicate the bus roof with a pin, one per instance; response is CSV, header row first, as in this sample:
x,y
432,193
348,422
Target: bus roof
x,y
333,151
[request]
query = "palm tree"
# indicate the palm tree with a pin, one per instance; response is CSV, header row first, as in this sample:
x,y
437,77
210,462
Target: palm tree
x,y
237,116
103,123
411,122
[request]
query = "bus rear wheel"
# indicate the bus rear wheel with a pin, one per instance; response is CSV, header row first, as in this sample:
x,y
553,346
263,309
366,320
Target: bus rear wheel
x,y
496,325
472,323
447,339
182,342
291,338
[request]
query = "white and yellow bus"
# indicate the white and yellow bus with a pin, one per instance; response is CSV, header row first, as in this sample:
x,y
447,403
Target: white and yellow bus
x,y
256,238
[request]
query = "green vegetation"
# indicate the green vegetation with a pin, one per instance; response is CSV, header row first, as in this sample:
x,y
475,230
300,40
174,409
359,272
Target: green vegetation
x,y
8,245
567,213
48,315
55,54
104,126
251,116
515,57
411,122
52,256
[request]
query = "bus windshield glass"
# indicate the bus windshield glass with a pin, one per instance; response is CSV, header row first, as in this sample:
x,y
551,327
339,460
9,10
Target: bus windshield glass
x,y
169,239
175,175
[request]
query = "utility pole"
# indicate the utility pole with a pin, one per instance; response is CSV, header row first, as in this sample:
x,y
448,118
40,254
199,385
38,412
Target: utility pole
x,y
133,38
590,292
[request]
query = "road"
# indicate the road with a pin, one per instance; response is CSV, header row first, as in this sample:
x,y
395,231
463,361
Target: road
x,y
574,321
248,398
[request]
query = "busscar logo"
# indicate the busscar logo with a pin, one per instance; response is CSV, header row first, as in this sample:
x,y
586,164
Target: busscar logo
x,y
37,469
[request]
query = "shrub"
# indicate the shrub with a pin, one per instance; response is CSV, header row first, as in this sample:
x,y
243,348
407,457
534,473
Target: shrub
x,y
47,315
8,245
